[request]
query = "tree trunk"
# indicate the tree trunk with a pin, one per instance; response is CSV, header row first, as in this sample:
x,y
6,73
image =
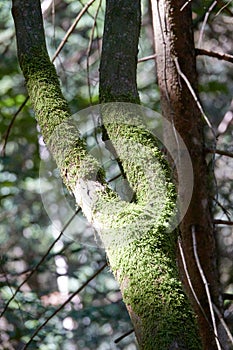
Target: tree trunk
x,y
140,247
119,51
175,54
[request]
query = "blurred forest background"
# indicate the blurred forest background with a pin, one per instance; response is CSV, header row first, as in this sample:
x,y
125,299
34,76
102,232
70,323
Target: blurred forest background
x,y
30,231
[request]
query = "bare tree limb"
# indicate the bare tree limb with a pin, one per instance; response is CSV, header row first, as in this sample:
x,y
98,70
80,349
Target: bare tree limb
x,y
183,76
117,340
72,27
228,332
40,262
220,151
63,305
225,211
223,222
207,14
221,56
147,58
89,50
60,47
205,282
227,296
8,130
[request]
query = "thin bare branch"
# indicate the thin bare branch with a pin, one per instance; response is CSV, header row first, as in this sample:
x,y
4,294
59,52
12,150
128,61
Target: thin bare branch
x,y
89,50
60,47
147,58
224,7
7,134
40,262
185,4
227,296
223,222
225,211
220,151
64,304
11,289
117,340
199,52
214,3
194,95
221,319
189,279
71,29
205,282
218,55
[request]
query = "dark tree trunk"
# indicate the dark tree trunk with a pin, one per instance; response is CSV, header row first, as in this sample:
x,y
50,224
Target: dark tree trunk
x,y
119,52
175,53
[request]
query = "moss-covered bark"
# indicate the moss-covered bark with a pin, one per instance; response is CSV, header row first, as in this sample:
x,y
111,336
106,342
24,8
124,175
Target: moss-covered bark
x,y
140,246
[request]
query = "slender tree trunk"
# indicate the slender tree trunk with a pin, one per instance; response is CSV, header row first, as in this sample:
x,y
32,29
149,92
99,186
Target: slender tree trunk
x,y
175,54
119,53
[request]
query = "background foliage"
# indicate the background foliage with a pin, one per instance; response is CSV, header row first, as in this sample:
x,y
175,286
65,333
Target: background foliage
x,y
96,316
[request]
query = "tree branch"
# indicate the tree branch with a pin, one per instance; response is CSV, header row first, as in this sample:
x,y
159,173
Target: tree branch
x,y
60,47
220,56
220,151
40,262
223,222
117,340
64,304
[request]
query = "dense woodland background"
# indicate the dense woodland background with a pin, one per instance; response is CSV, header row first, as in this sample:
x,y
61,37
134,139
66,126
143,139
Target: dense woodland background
x,y
96,317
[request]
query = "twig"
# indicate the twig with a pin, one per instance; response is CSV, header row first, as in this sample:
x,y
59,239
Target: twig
x,y
220,151
225,211
71,29
11,289
228,332
117,340
60,47
227,296
205,282
199,52
224,7
219,55
147,58
89,50
63,305
214,3
40,262
223,222
3,151
190,281
185,4
194,95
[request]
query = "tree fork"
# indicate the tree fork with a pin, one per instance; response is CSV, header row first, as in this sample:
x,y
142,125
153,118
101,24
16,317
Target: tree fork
x,y
146,266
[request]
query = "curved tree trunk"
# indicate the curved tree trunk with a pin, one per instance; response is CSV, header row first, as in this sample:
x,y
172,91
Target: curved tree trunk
x,y
145,264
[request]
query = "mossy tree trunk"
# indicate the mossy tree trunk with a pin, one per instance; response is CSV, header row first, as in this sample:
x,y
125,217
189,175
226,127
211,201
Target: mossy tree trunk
x,y
145,265
176,62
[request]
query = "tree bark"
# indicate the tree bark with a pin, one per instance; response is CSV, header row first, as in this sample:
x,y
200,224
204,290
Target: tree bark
x,y
140,248
119,51
175,53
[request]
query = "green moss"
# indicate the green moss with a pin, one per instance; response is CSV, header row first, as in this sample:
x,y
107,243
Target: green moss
x,y
140,247
44,90
53,115
107,96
